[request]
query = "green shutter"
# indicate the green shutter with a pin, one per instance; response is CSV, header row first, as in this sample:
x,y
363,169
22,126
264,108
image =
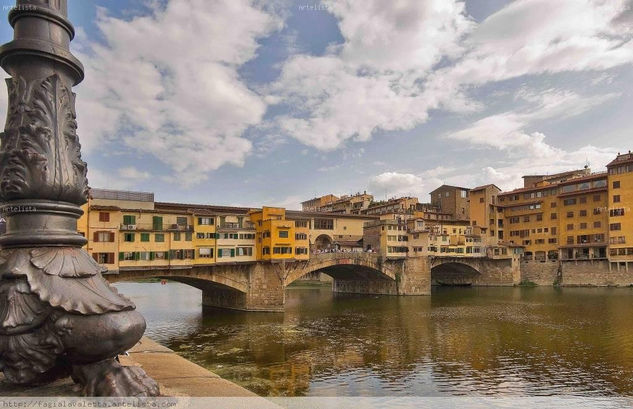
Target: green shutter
x,y
120,256
232,252
167,255
137,255
157,223
151,255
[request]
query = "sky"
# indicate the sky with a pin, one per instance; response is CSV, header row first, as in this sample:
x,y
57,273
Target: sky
x,y
272,102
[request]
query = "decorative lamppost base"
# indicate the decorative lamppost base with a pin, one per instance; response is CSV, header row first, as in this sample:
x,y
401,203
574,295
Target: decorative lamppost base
x,y
58,316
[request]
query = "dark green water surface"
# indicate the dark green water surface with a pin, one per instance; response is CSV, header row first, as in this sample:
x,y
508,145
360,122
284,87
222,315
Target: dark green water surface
x,y
459,341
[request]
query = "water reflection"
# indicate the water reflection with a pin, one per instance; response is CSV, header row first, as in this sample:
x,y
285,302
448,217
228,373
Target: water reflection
x,y
460,341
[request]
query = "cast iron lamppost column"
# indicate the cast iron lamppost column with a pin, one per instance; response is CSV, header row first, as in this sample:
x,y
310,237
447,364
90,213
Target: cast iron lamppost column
x,y
58,316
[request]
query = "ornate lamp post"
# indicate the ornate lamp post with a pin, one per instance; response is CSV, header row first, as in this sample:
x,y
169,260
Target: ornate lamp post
x,y
58,316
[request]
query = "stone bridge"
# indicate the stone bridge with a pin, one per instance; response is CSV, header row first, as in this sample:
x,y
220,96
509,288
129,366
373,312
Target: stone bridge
x,y
477,271
260,286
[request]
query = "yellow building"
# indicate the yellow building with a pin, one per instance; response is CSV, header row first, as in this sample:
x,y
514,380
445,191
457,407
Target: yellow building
x,y
620,201
483,211
562,216
275,235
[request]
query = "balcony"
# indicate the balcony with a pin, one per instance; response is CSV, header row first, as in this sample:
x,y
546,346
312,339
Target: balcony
x,y
155,227
236,226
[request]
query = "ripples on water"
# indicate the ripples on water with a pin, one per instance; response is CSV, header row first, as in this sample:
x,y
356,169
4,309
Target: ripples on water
x,y
459,341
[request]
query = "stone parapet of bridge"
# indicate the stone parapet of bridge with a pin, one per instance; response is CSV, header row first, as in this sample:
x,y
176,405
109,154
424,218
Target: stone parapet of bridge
x,y
260,286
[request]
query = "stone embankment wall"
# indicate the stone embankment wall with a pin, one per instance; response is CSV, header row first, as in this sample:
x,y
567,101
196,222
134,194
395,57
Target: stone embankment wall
x,y
540,273
575,273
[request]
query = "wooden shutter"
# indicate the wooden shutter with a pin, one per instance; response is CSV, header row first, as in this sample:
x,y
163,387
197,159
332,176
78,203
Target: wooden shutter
x,y
95,256
110,258
112,240
121,256
95,237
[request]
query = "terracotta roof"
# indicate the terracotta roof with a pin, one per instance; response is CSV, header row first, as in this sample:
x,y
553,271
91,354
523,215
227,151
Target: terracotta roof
x,y
621,159
450,186
485,186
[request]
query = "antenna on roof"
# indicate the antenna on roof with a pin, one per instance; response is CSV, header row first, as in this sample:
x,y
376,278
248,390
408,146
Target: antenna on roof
x,y
587,163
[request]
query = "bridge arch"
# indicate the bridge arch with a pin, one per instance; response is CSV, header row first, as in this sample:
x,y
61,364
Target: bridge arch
x,y
323,241
203,279
343,266
454,272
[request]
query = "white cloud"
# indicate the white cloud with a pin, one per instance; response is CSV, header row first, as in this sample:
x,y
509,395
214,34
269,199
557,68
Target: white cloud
x,y
370,82
385,76
167,83
395,184
130,172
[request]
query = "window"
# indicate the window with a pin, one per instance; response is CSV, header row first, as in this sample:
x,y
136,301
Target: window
x,y
129,237
616,184
159,238
553,231
144,236
177,236
127,256
463,194
569,202
570,214
301,250
282,250
616,198
323,224
553,216
205,252
616,212
265,250
552,240
481,200
615,226
181,221
301,236
103,236
570,239
205,221
226,253
553,204
570,226
103,258
129,219
597,225
301,223
104,217
526,218
157,223
583,213
583,225
244,251
596,198
583,199
188,236
539,217
283,234
145,256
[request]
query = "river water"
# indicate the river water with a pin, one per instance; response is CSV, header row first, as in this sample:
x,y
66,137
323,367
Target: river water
x,y
458,342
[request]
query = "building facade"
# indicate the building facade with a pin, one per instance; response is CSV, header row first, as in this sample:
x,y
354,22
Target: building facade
x,y
452,200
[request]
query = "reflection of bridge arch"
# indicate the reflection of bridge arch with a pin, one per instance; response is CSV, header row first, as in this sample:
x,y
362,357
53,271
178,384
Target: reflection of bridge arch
x,y
343,266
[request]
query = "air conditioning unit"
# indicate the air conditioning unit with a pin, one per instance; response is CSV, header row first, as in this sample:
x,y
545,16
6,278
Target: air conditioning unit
x,y
131,227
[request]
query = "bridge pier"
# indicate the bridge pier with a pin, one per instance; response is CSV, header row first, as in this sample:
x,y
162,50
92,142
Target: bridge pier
x,y
265,292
